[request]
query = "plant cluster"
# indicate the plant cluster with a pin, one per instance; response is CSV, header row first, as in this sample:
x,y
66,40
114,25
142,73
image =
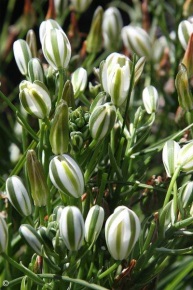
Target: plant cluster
x,y
99,192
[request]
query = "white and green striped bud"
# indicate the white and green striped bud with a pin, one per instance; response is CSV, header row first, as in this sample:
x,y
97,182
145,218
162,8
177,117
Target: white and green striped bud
x,y
150,99
46,26
111,28
185,97
186,194
60,6
35,70
185,157
122,231
93,223
185,29
139,68
115,77
59,132
71,226
80,5
137,40
94,38
3,234
169,156
79,81
66,175
68,94
56,48
102,120
37,179
18,195
32,238
22,55
35,98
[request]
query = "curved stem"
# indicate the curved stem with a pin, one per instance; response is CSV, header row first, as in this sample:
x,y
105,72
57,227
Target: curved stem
x,y
109,270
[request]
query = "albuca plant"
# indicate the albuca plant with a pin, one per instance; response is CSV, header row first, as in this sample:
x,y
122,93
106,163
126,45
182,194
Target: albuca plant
x,y
96,145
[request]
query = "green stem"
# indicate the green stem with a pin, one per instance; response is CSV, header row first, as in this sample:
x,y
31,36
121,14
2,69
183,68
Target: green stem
x,y
87,285
23,269
149,236
172,182
61,84
109,270
102,188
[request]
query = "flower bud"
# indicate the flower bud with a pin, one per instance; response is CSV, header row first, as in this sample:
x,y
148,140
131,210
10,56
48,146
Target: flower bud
x,y
94,38
35,98
150,99
186,194
169,156
66,175
35,70
122,231
102,120
3,235
32,238
188,57
68,94
31,41
139,68
137,40
80,6
59,135
47,25
22,55
185,98
71,226
79,81
37,179
111,28
115,77
56,48
18,195
185,29
60,6
76,140
185,157
93,223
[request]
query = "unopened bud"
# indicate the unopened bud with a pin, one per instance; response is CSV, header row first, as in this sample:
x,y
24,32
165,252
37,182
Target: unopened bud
x,y
150,99
137,40
188,57
32,42
71,227
94,38
32,238
102,120
56,48
93,223
3,235
185,157
169,156
112,25
122,231
185,97
47,25
35,70
80,6
37,179
185,29
22,55
35,98
79,81
66,175
18,195
59,135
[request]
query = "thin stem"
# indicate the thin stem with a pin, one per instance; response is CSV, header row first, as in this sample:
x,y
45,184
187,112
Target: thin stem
x,y
23,269
109,270
172,182
149,236
87,285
